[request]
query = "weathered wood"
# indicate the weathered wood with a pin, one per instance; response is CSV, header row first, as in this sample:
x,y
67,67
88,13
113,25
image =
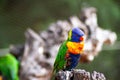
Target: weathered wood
x,y
98,76
78,74
17,51
64,75
34,64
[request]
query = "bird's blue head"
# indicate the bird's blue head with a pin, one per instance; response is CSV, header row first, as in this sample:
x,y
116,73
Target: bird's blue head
x,y
76,35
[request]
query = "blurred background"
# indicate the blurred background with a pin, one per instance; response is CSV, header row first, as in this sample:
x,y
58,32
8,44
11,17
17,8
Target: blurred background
x,y
18,15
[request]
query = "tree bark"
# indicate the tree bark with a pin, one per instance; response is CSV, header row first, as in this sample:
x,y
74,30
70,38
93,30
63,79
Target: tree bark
x,y
78,74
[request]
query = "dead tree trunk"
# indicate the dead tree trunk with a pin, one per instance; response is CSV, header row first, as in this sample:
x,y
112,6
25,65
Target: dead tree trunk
x,y
78,74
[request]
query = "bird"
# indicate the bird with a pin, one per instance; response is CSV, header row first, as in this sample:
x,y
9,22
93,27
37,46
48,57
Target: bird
x,y
70,50
8,67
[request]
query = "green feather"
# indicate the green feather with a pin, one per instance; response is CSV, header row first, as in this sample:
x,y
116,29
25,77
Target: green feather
x,y
70,34
60,59
9,67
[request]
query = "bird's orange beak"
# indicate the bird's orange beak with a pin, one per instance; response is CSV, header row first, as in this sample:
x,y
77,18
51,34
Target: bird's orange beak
x,y
81,38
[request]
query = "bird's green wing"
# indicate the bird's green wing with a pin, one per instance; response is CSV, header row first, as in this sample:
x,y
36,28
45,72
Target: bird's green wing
x,y
60,59
9,67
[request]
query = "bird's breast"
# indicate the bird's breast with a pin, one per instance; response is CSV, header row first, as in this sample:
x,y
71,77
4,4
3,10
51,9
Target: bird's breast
x,y
75,47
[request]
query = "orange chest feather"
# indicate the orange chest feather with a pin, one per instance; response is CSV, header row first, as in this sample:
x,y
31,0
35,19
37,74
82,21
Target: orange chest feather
x,y
75,48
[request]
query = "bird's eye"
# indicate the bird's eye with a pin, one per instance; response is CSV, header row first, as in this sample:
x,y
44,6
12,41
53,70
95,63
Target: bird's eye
x,y
81,38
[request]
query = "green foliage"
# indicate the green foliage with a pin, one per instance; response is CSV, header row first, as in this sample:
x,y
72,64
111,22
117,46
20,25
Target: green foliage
x,y
104,63
9,67
17,15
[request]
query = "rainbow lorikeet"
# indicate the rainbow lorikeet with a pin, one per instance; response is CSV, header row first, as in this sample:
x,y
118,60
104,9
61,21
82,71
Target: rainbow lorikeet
x,y
69,52
8,67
